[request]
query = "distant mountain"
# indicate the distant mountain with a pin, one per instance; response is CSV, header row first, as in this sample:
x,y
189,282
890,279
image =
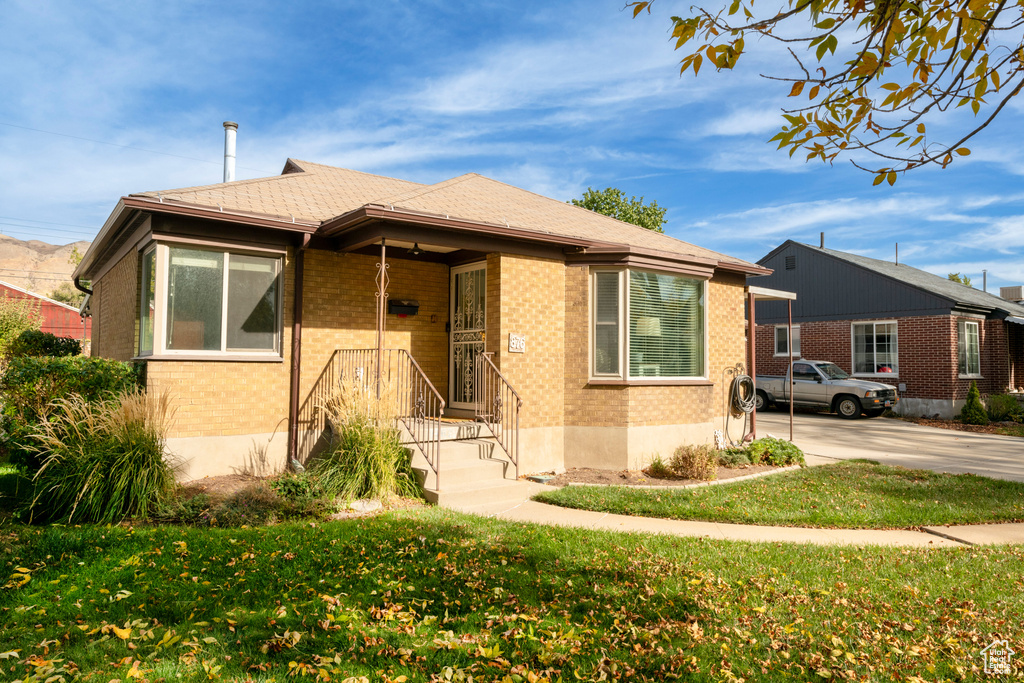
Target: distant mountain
x,y
36,266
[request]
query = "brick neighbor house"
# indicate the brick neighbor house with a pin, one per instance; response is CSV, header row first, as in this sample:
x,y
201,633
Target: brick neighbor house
x,y
58,318
923,333
577,339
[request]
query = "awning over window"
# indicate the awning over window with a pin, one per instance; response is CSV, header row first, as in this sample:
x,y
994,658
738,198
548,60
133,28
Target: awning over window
x,y
1015,319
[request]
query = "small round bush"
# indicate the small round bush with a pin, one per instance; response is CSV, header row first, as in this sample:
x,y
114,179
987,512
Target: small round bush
x,y
1005,408
772,451
973,412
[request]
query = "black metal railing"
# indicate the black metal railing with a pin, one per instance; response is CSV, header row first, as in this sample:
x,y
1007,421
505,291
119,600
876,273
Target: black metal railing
x,y
498,406
392,374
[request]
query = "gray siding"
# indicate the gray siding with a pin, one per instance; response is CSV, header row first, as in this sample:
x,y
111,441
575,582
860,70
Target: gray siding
x,y
828,288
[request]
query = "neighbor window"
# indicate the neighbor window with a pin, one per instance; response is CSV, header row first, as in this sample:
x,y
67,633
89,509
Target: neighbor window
x,y
968,342
659,334
209,302
782,340
875,348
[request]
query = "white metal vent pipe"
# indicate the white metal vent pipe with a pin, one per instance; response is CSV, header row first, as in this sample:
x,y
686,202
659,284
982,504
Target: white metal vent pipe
x,y
230,131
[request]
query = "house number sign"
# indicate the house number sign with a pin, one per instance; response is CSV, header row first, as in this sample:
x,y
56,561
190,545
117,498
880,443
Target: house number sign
x,y
516,343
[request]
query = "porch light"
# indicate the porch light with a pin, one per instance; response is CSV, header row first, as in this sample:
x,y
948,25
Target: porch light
x,y
416,251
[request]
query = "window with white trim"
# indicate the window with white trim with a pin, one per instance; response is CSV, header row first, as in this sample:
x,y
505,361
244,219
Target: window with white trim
x,y
205,301
647,325
875,348
782,340
968,343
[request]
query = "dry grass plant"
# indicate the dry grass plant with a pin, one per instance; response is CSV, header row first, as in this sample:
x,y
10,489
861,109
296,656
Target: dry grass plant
x,y
694,461
366,458
103,461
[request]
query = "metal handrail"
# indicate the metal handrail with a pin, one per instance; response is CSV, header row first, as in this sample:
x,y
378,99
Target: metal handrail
x,y
419,403
497,405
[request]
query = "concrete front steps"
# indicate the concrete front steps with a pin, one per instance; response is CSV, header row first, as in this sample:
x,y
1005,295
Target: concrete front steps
x,y
475,471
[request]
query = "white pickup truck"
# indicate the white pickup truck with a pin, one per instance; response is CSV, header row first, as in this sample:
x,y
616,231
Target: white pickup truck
x,y
824,385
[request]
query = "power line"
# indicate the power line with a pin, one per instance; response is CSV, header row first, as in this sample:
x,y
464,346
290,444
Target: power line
x,y
114,144
33,220
51,230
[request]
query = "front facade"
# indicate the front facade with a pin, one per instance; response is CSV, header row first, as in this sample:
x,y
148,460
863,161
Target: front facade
x,y
245,299
890,323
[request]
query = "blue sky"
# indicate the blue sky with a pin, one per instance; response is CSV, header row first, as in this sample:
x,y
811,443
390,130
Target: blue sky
x,y
552,97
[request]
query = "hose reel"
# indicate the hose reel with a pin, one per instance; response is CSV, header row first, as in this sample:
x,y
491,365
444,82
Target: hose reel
x,y
740,402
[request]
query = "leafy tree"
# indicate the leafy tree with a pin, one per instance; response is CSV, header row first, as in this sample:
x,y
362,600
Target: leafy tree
x,y
962,279
67,294
612,202
17,316
868,78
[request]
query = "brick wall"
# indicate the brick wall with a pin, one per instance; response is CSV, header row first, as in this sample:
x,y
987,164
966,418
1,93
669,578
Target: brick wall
x,y
115,309
927,348
339,312
1015,351
529,299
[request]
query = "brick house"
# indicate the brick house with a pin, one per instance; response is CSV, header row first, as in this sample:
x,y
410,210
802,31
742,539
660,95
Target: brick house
x,y
58,318
250,300
923,333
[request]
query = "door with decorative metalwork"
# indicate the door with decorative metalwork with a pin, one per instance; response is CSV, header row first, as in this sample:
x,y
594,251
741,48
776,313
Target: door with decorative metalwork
x,y
468,297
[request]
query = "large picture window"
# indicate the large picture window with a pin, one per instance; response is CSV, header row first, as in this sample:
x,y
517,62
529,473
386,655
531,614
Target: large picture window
x,y
205,301
968,344
875,348
648,325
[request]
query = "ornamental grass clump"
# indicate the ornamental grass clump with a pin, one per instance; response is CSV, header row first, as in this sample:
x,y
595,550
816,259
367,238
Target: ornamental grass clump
x,y
103,461
695,462
973,412
366,458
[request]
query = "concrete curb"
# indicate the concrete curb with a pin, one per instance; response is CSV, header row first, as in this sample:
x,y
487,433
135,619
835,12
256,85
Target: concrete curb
x,y
716,482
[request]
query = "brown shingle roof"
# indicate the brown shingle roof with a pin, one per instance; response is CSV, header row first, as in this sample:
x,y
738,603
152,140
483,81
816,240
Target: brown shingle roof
x,y
309,191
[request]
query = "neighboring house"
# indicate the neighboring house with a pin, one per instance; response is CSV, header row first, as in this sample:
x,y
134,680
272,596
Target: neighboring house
x,y
614,337
923,333
57,318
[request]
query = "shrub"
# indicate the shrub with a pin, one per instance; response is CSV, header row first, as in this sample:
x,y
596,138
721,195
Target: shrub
x,y
38,343
259,505
296,487
733,457
695,462
1004,407
973,412
366,458
659,469
103,460
192,510
777,452
17,316
31,387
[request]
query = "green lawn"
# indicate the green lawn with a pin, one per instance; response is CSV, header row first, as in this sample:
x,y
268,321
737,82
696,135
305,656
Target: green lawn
x,y
433,595
852,494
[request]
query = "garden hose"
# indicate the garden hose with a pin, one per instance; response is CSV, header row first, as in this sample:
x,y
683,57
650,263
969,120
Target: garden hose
x,y
742,396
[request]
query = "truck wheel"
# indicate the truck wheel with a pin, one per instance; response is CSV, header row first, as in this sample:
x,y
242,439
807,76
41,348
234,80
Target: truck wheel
x,y
848,407
761,401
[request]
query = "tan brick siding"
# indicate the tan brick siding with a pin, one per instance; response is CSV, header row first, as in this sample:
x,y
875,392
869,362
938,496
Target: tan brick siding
x,y
115,309
529,299
339,312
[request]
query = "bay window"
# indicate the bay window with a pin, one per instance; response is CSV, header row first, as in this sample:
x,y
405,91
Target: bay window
x,y
647,325
875,348
968,343
205,301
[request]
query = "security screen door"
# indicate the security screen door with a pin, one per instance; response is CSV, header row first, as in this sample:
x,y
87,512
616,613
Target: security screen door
x,y
468,297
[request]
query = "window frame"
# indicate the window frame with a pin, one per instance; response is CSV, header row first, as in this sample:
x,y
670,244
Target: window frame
x,y
775,341
961,334
160,348
853,347
623,376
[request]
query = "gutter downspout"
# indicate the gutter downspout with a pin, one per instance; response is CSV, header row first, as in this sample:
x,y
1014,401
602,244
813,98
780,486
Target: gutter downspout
x,y
82,288
293,404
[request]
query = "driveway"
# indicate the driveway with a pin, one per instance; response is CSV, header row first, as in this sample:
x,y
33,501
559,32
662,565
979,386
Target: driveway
x,y
894,442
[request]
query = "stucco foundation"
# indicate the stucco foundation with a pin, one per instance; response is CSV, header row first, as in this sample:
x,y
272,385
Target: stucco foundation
x,y
211,456
541,449
629,448
946,409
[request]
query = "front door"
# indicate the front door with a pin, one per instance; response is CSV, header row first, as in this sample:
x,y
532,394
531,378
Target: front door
x,y
469,296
